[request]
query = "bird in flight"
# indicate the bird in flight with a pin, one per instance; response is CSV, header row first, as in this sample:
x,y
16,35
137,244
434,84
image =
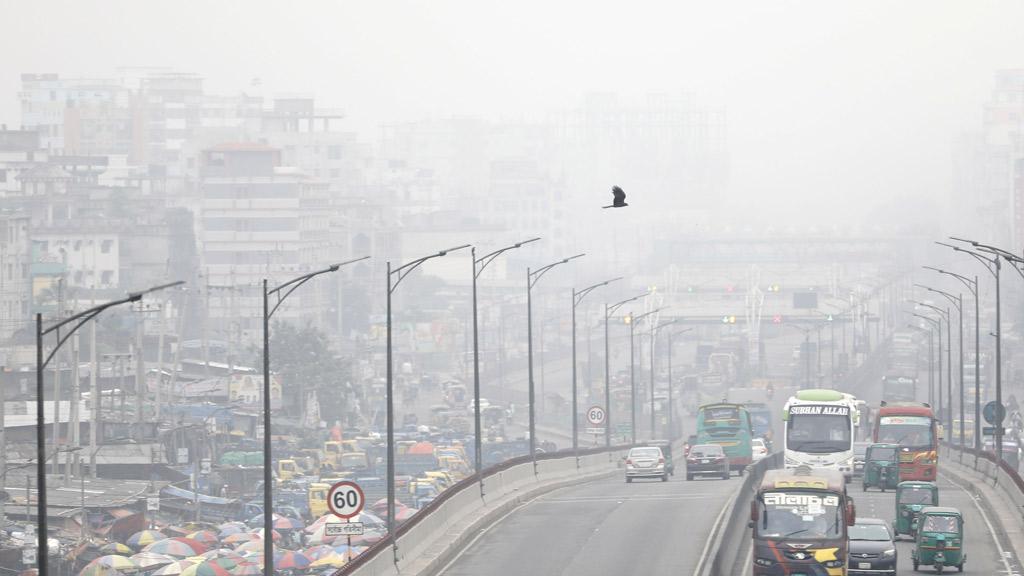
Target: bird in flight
x,y
618,198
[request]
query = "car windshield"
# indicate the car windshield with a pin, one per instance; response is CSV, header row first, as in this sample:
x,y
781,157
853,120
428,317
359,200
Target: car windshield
x,y
799,514
888,454
915,496
818,433
907,431
874,532
946,524
645,453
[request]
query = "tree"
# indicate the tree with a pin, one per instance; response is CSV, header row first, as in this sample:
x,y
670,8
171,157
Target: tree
x,y
304,362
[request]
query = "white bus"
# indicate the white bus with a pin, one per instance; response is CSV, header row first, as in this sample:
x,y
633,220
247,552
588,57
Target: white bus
x,y
820,430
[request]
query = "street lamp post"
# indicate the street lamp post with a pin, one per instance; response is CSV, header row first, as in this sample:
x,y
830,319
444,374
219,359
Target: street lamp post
x,y
577,297
957,301
945,314
76,321
478,268
282,292
671,406
932,392
994,266
532,277
633,321
971,285
654,332
608,311
399,274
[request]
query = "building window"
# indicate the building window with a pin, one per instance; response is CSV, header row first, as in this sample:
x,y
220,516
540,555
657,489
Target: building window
x,y
108,277
3,175
106,246
334,152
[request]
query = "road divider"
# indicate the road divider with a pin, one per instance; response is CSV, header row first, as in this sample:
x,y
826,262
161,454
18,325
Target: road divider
x,y
729,541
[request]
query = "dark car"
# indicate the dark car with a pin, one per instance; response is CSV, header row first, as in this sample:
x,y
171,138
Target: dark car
x,y
707,460
860,449
872,550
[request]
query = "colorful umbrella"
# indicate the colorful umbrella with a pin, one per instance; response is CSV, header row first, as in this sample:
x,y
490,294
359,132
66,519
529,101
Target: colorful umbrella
x,y
174,569
231,528
205,537
279,522
274,534
251,546
290,561
240,538
336,560
144,538
98,570
318,552
208,568
172,547
197,546
343,550
247,569
116,548
147,560
119,563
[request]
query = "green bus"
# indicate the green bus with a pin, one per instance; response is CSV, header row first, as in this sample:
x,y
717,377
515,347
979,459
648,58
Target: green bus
x,y
729,426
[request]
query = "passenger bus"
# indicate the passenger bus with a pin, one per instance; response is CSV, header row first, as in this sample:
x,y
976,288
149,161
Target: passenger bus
x,y
799,519
729,426
899,389
761,419
819,430
912,425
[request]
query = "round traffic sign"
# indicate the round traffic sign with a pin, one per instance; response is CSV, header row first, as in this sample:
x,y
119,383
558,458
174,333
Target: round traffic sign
x,y
994,413
345,499
595,415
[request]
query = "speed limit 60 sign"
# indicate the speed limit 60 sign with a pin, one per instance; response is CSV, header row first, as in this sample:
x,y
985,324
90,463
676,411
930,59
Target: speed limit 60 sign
x,y
345,499
595,415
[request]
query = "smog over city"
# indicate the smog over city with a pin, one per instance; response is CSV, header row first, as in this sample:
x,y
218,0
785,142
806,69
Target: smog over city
x,y
459,287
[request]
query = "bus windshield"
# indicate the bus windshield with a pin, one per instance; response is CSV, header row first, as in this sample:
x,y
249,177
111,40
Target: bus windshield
x,y
907,431
799,514
818,433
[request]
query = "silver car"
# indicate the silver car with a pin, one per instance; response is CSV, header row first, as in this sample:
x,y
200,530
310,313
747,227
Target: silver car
x,y
646,462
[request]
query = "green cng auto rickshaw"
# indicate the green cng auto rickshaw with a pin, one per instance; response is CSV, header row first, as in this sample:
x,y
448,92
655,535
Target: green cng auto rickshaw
x,y
940,537
881,466
911,497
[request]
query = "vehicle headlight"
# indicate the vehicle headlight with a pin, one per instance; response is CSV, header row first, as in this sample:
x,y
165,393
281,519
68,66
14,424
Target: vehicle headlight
x,y
763,562
833,563
889,553
904,513
790,461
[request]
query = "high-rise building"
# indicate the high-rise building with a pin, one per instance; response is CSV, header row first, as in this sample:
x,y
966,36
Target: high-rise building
x,y
15,281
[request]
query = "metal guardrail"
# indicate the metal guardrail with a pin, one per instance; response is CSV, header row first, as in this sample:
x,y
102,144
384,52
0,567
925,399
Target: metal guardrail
x,y
470,482
1011,473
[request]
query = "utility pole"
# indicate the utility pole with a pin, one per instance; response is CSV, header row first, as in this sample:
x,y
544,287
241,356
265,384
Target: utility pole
x,y
140,363
158,396
94,399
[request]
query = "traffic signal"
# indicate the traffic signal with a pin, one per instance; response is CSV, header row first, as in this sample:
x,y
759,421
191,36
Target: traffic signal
x,y
773,287
730,288
728,319
777,319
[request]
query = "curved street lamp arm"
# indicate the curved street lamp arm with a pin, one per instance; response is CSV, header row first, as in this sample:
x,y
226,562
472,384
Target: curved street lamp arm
x,y
936,322
991,265
484,261
582,293
969,283
536,274
941,312
617,305
637,319
683,331
955,300
402,271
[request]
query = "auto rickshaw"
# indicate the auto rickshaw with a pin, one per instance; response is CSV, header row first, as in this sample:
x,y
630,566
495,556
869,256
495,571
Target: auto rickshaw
x,y
881,466
911,498
939,540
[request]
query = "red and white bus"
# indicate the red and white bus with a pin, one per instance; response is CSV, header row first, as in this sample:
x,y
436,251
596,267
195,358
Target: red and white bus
x,y
913,426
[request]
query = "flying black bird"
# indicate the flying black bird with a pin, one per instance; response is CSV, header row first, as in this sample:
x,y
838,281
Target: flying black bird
x,y
618,198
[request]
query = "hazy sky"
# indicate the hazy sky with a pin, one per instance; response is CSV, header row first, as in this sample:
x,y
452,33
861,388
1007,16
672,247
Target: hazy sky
x,y
836,104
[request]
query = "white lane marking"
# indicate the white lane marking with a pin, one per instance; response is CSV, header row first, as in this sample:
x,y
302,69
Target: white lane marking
x,y
750,558
991,528
714,530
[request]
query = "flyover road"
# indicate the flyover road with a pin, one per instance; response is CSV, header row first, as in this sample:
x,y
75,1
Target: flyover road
x,y
603,527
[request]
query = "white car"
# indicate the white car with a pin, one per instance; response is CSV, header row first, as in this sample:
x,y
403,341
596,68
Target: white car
x,y
758,449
